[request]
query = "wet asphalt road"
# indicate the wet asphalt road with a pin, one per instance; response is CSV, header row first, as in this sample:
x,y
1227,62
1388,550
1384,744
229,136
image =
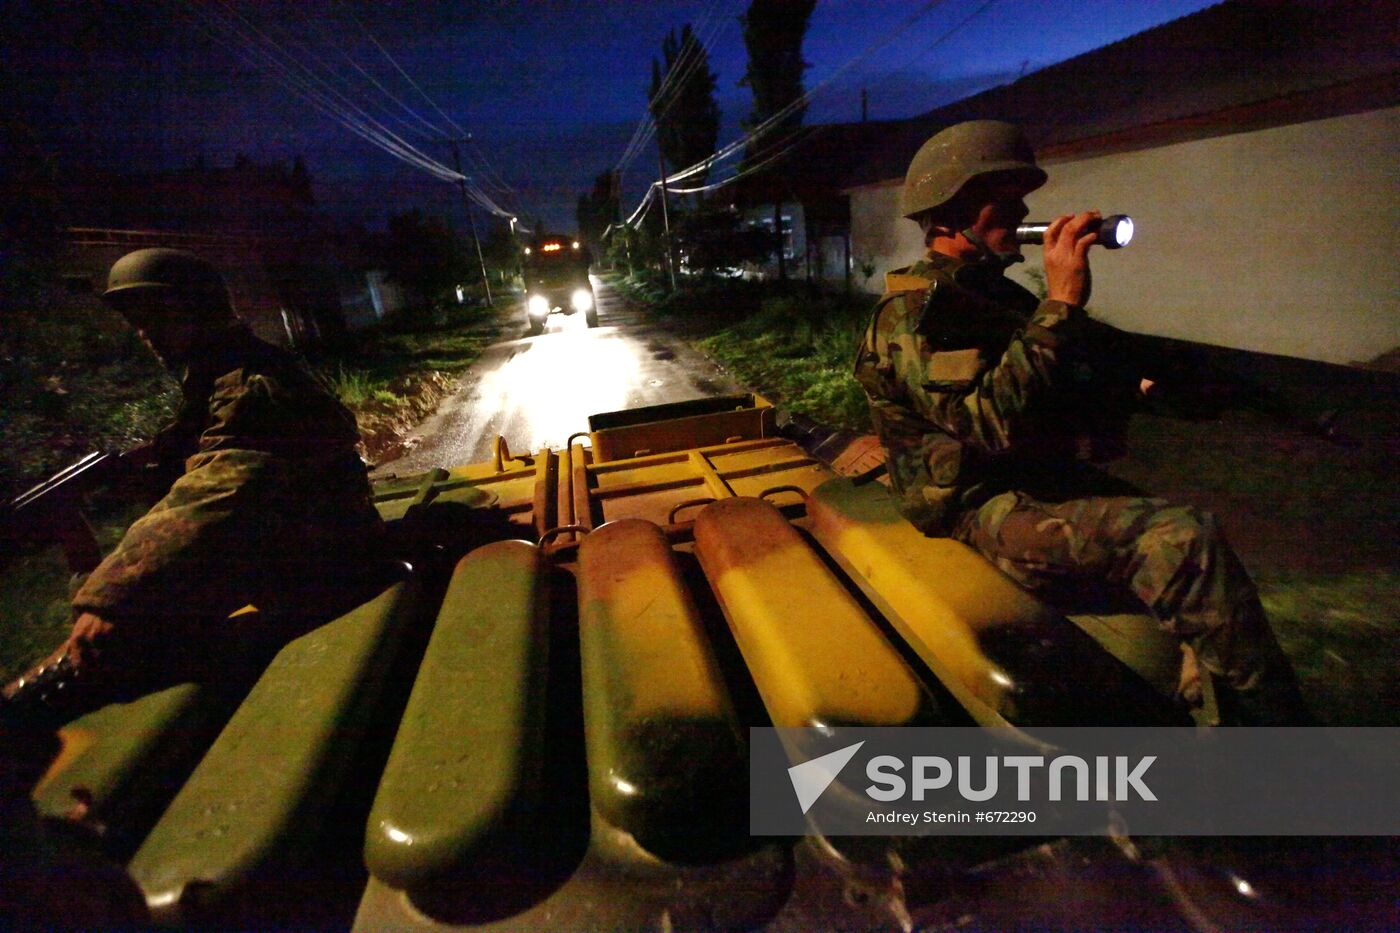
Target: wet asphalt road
x,y
536,391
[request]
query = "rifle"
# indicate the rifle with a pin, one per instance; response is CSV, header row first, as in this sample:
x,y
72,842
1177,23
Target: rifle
x,y
1197,382
52,511
1170,376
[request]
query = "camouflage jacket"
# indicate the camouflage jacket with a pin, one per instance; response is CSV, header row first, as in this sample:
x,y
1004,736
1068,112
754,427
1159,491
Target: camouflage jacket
x,y
272,486
964,372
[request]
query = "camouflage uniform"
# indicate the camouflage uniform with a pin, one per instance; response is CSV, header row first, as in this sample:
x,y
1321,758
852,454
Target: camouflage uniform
x,y
273,507
977,391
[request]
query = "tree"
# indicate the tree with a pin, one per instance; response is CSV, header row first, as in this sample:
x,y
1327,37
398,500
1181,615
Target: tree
x,y
426,256
773,33
716,239
598,209
683,102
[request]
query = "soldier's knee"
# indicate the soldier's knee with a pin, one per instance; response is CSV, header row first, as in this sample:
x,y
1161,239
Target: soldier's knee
x,y
1183,528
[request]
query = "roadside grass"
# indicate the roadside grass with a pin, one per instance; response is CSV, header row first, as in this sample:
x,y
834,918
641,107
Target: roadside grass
x,y
1342,632
1314,523
792,343
375,367
76,405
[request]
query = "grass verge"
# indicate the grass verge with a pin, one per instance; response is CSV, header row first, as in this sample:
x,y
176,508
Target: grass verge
x,y
793,343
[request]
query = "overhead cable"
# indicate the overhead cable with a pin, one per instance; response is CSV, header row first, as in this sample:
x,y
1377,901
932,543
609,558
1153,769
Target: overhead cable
x,y
676,75
306,83
485,166
764,160
800,101
257,44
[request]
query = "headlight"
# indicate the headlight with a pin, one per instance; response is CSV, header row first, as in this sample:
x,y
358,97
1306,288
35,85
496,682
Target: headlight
x,y
537,306
582,300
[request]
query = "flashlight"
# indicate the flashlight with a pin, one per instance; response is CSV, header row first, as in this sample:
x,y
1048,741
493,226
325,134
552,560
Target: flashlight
x,y
1114,232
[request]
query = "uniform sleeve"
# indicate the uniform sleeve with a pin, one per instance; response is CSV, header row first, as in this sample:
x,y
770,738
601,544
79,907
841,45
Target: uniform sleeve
x,y
944,377
196,547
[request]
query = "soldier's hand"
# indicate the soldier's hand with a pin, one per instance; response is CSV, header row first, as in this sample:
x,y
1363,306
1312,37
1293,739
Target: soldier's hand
x,y
88,631
1066,253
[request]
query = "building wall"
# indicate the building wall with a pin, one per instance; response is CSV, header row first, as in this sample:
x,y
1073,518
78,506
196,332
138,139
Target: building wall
x,y
1280,240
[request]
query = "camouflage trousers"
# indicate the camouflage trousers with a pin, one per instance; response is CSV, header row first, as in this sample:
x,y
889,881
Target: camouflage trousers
x,y
1172,558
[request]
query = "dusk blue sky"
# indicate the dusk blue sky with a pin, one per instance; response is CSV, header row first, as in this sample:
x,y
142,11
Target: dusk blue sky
x,y
551,91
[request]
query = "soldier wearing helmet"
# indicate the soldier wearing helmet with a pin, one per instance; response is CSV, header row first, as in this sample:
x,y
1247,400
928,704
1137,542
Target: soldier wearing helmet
x,y
270,503
975,387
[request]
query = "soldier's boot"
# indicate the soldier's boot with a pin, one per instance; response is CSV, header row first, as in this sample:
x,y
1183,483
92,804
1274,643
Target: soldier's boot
x,y
1254,680
1276,701
1270,697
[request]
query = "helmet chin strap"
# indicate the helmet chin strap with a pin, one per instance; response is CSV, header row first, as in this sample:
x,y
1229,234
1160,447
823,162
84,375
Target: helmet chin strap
x,y
990,257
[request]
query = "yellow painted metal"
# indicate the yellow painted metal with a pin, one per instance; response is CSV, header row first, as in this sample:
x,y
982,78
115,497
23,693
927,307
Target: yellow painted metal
x,y
564,494
1005,656
663,742
546,502
713,482
395,497
257,799
681,426
112,761
816,657
583,502
651,487
937,592
644,470
469,751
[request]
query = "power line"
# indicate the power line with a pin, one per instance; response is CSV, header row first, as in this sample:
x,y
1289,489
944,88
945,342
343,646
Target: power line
x,y
803,99
414,84
264,51
487,169
260,57
674,80
768,124
773,154
765,160
432,127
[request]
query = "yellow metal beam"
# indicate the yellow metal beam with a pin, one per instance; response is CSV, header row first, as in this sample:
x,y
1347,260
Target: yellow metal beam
x,y
816,657
663,741
469,749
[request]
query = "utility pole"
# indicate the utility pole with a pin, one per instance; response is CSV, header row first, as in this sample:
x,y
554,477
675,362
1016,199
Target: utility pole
x,y
666,214
471,221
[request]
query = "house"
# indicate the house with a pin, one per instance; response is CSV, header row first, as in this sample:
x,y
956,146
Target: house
x,y
254,222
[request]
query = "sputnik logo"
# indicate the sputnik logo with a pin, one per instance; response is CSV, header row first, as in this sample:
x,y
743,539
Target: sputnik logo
x,y
811,778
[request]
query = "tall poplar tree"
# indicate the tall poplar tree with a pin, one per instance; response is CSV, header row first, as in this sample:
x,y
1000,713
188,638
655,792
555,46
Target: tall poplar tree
x,y
773,34
683,105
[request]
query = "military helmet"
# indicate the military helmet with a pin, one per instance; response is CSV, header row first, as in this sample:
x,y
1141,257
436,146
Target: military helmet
x,y
960,153
177,271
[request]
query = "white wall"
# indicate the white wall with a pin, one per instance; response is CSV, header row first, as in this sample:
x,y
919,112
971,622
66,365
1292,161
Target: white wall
x,y
880,236
1282,240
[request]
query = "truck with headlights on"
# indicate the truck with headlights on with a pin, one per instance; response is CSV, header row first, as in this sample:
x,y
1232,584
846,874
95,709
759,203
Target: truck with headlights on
x,y
556,281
